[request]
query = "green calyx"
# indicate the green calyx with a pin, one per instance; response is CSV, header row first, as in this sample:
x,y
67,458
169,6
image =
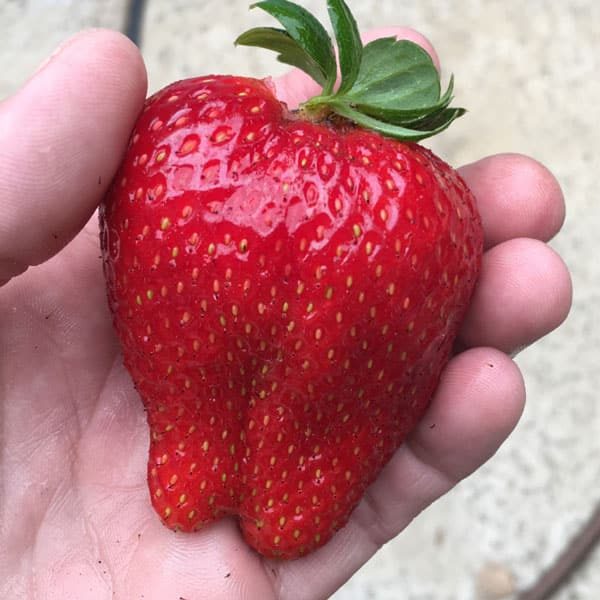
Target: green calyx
x,y
390,86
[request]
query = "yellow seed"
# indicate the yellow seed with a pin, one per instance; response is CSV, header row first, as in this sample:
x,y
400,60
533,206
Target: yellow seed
x,y
356,229
188,146
165,223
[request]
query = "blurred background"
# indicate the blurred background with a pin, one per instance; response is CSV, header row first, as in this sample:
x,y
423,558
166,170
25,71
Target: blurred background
x,y
528,73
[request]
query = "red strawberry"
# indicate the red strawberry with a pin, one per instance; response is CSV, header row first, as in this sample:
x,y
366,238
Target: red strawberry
x,y
287,286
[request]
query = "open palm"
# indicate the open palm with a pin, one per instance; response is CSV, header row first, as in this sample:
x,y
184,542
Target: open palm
x,y
75,517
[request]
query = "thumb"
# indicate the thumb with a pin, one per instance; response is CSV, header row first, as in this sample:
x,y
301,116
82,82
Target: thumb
x,y
63,135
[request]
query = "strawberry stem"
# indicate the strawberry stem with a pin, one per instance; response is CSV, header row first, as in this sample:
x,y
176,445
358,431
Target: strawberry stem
x,y
390,86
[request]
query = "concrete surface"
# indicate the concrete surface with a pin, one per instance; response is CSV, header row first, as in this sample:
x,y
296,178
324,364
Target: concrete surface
x,y
528,72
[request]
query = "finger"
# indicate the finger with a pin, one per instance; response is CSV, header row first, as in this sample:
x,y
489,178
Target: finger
x,y
516,197
479,401
63,136
296,86
524,292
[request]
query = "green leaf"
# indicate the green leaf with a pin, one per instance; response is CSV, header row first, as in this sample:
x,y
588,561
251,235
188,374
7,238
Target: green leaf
x,y
396,131
348,42
309,34
408,116
289,51
395,74
390,86
436,119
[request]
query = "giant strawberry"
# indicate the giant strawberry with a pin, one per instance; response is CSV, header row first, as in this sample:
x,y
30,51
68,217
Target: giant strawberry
x,y
287,285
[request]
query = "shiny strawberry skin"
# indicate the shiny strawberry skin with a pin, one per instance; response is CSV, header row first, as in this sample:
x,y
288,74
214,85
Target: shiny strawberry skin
x,y
286,294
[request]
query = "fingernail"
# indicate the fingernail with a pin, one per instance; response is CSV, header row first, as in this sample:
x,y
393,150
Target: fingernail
x,y
64,44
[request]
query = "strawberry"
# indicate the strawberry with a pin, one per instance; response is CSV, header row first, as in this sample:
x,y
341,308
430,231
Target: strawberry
x,y
287,285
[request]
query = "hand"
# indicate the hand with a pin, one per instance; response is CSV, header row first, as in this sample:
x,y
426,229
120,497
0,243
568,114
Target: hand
x,y
75,518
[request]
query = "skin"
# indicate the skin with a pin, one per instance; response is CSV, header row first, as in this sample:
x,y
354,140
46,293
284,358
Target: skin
x,y
75,519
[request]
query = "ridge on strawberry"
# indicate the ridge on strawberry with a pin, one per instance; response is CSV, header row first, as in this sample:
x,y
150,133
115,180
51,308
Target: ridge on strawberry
x,y
287,285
